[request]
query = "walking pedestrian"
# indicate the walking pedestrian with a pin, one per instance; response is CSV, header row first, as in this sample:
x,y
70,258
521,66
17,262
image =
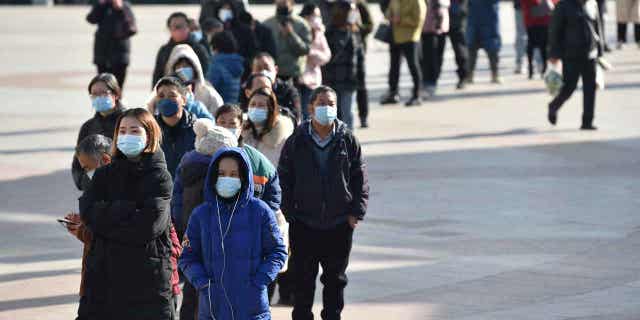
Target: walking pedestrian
x,y
266,129
112,45
126,208
407,19
537,15
105,95
324,195
227,66
341,72
233,248
457,37
434,37
628,11
484,32
521,36
575,38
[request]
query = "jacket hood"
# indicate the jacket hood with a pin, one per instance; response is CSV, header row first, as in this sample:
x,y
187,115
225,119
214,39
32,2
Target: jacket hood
x,y
246,193
232,62
193,167
185,51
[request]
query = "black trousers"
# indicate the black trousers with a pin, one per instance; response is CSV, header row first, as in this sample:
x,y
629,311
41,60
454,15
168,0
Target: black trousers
x,y
119,71
432,57
410,51
537,38
622,32
362,94
572,70
329,249
189,307
459,44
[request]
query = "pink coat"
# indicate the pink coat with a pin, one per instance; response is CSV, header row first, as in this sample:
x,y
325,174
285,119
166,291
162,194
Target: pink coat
x,y
319,55
437,20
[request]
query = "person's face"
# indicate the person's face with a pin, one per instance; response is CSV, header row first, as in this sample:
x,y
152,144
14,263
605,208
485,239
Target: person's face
x,y
229,121
257,82
90,163
259,102
172,93
100,89
181,64
228,167
323,99
263,64
179,29
131,126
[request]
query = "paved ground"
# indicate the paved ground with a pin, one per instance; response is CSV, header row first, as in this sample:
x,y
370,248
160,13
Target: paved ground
x,y
479,209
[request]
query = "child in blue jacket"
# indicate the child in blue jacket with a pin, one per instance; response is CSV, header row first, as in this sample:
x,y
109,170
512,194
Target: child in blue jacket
x,y
232,248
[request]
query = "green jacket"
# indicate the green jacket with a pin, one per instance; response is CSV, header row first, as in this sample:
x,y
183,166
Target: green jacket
x,y
412,14
292,49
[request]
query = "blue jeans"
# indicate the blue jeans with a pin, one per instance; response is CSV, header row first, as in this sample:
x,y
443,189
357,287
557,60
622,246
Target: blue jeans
x,y
521,37
346,100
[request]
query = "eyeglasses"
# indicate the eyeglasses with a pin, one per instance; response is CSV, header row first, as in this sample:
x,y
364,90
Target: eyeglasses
x,y
100,94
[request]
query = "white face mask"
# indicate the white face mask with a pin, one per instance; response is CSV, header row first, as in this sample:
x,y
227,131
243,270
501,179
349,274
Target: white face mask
x,y
353,17
225,15
90,173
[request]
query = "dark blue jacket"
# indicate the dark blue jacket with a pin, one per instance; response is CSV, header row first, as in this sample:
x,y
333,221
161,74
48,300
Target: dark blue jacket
x,y
483,25
198,108
178,140
232,275
224,74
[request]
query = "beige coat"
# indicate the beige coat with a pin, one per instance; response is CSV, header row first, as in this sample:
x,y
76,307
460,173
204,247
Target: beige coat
x,y
271,143
628,11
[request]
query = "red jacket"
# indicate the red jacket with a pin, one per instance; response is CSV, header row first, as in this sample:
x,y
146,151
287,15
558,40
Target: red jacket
x,y
529,19
176,251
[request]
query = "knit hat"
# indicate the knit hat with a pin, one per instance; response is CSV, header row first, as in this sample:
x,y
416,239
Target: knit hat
x,y
210,138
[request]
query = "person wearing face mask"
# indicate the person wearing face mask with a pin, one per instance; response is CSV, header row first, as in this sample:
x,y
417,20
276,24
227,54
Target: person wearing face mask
x,y
266,129
183,63
293,39
227,66
105,94
126,209
178,25
286,94
210,27
345,42
263,36
112,46
324,194
230,13
319,55
175,121
232,248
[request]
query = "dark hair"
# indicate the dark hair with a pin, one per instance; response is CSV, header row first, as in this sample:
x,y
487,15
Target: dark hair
x,y
172,81
273,112
308,9
263,54
242,166
339,15
247,84
224,42
245,17
177,15
154,133
321,90
94,145
111,82
211,23
237,113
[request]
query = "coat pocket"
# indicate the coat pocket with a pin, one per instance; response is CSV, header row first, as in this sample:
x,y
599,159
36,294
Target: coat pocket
x,y
256,300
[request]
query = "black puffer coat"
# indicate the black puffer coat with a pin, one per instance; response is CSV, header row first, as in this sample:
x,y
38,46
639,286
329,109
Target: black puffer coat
x,y
128,270
112,45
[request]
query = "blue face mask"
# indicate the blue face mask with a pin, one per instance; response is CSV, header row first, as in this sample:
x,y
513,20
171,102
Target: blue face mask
x,y
197,35
131,145
186,73
258,115
228,187
102,103
325,115
167,107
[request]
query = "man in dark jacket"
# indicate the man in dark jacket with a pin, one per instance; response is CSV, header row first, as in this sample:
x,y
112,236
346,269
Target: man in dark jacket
x,y
457,30
116,24
575,38
174,120
178,24
324,195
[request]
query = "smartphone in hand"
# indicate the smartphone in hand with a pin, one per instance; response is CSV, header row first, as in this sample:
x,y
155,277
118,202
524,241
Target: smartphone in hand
x,y
67,223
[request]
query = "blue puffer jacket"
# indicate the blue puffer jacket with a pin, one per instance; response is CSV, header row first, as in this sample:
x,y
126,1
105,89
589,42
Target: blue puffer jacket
x,y
224,74
197,108
483,25
178,140
232,275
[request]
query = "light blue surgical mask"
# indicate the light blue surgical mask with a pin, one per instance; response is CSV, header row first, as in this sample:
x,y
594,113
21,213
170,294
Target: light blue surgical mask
x,y
258,115
228,187
197,35
102,103
131,145
325,115
186,73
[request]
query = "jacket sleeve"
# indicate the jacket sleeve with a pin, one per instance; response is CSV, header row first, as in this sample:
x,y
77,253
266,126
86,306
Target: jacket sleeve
x,y
191,260
299,43
158,70
287,177
321,54
359,182
556,32
214,77
96,14
273,193
268,43
274,252
80,178
200,111
176,199
365,17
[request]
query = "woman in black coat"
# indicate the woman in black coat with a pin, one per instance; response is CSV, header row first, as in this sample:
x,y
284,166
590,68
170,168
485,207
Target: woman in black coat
x,y
116,24
127,209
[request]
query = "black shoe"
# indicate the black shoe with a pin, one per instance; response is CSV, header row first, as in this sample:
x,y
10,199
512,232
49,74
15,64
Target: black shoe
x,y
607,48
390,98
589,127
552,116
286,301
413,102
461,84
364,123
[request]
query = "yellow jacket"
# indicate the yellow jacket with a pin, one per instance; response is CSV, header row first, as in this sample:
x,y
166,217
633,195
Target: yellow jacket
x,y
412,14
